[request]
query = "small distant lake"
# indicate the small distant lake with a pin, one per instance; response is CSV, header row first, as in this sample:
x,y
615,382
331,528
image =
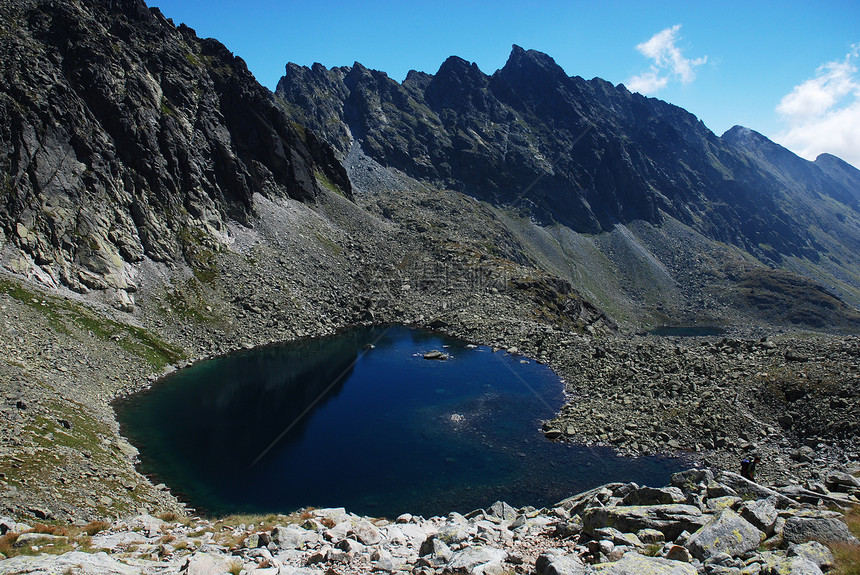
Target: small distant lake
x,y
687,331
362,420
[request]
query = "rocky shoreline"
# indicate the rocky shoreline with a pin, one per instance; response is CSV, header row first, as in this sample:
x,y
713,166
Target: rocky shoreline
x,y
703,523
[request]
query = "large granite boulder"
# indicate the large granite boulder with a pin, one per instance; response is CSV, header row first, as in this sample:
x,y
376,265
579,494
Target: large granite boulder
x,y
726,532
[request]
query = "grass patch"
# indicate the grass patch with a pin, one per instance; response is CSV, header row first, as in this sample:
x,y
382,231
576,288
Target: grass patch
x,y
66,315
94,527
847,555
326,183
234,567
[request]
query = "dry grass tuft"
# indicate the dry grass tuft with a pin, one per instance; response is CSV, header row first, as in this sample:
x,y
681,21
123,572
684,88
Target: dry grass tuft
x,y
94,527
847,555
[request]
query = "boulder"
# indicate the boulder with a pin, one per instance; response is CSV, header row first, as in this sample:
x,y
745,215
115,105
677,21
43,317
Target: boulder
x,y
292,537
726,532
791,566
762,513
812,525
670,520
557,562
838,481
366,532
74,562
468,559
815,552
654,496
634,564
752,490
28,539
503,511
650,536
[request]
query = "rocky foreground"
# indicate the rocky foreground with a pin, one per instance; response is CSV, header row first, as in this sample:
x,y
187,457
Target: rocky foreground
x,y
702,523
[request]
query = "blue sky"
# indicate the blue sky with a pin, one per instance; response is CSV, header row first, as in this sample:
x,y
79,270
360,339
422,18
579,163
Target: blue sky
x,y
786,69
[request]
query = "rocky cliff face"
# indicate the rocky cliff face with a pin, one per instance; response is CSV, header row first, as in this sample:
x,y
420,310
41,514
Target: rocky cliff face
x,y
591,157
124,138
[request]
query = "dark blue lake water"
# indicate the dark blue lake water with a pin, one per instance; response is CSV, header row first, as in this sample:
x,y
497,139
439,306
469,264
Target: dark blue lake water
x,y
381,431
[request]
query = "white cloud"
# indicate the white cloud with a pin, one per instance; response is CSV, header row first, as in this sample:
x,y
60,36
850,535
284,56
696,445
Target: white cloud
x,y
823,113
668,62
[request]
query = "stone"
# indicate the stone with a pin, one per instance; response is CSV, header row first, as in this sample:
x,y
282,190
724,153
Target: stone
x,y
761,513
654,496
435,354
823,527
503,511
8,524
838,481
815,552
74,562
715,504
366,532
726,532
690,479
678,553
650,536
204,564
382,560
466,560
635,564
671,520
791,566
557,562
752,490
292,537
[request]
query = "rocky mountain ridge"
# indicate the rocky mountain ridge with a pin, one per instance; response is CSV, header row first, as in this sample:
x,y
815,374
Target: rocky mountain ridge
x,y
591,158
126,138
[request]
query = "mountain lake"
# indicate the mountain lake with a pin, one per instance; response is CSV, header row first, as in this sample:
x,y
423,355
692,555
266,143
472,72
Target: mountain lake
x,y
362,420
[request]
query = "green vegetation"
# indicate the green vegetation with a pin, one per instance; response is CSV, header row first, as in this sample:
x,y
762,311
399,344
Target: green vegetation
x,y
67,316
193,59
326,183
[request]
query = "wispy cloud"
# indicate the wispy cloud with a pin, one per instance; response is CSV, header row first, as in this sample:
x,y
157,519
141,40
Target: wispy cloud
x,y
823,113
668,63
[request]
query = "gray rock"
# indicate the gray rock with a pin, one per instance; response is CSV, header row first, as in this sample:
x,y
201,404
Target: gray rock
x,y
7,524
671,520
752,490
791,566
635,564
761,513
73,562
690,479
502,510
204,564
653,496
815,552
292,537
557,562
468,559
650,536
838,481
366,532
726,532
816,526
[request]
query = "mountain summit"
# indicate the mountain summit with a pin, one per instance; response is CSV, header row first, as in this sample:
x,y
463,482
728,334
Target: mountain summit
x,y
590,157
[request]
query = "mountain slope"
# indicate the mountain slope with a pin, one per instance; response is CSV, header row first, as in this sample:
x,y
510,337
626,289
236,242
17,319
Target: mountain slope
x,y
589,157
124,138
